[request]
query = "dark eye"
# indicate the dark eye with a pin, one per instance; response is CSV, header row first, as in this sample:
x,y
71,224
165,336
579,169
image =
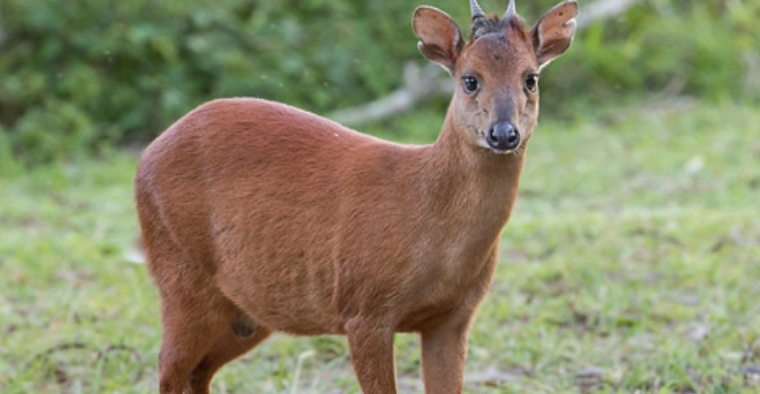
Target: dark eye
x,y
531,83
470,85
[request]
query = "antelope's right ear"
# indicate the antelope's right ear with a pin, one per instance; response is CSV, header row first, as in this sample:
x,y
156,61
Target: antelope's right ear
x,y
440,38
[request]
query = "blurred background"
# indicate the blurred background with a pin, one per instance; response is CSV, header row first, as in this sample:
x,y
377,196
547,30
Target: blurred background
x,y
80,76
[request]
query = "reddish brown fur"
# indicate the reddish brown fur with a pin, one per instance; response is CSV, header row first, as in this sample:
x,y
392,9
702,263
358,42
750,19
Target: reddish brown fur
x,y
259,217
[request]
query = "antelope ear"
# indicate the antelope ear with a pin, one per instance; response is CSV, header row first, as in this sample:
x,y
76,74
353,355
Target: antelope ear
x,y
440,38
553,33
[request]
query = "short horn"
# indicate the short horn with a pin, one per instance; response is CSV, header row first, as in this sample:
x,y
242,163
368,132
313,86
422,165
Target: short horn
x,y
510,9
475,9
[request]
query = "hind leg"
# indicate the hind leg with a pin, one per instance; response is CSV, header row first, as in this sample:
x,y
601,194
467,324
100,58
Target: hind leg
x,y
202,328
242,335
194,313
191,326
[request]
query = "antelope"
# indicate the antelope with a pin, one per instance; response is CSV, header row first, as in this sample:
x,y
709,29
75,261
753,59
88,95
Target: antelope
x,y
258,217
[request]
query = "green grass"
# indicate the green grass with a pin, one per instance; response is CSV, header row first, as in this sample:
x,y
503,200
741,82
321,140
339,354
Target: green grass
x,y
633,257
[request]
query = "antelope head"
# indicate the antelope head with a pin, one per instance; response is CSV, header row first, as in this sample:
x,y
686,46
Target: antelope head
x,y
495,104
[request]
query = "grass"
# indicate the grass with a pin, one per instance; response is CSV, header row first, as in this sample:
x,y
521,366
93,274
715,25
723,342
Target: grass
x,y
631,265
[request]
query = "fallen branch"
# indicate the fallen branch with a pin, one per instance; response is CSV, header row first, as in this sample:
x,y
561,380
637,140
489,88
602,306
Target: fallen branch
x,y
424,83
420,84
602,10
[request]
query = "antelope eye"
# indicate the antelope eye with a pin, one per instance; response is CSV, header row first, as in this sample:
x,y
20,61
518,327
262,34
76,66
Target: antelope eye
x,y
470,84
531,83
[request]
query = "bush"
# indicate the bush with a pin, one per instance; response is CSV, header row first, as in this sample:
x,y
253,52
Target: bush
x,y
79,75
666,47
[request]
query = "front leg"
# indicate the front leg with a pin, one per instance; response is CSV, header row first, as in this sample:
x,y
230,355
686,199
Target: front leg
x,y
444,346
371,345
444,350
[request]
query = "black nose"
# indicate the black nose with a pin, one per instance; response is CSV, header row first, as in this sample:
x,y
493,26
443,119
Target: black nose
x,y
503,136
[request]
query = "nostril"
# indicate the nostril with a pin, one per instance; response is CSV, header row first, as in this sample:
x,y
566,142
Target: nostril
x,y
491,137
513,138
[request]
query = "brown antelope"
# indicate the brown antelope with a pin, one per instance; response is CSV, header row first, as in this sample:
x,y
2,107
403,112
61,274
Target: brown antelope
x,y
259,217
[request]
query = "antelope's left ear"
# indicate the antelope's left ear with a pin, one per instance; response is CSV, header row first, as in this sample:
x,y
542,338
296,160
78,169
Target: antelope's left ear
x,y
553,33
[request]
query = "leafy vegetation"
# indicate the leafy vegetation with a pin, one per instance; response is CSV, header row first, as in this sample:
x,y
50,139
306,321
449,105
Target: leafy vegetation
x,y
80,75
630,265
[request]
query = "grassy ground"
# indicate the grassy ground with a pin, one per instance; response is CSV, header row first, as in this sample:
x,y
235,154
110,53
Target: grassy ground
x,y
631,265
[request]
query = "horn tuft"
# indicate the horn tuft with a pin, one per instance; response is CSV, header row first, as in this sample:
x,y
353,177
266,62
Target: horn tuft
x,y
510,9
475,9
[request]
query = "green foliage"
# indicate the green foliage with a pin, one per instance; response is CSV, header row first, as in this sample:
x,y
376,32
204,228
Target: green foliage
x,y
667,47
79,75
